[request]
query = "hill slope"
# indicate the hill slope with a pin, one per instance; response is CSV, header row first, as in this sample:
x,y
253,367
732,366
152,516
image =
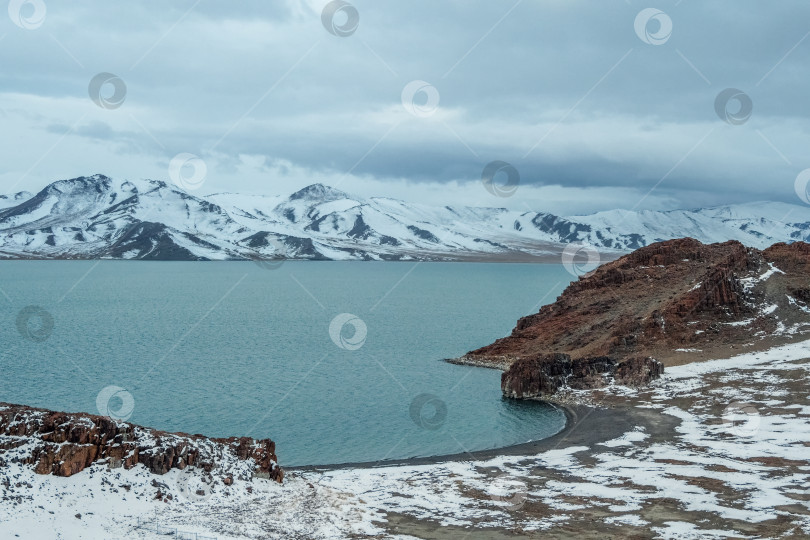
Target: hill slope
x,y
675,301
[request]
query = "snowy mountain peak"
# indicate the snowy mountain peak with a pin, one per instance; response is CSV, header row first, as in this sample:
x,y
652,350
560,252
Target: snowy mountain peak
x,y
319,193
98,182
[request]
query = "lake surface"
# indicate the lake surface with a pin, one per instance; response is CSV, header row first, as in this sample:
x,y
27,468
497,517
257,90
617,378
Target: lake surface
x,y
235,349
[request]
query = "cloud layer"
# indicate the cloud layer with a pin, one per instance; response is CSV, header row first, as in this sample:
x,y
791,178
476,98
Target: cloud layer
x,y
597,105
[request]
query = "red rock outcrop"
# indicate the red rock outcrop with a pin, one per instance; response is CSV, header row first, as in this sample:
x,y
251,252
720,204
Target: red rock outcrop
x,y
65,443
793,257
638,372
543,376
675,301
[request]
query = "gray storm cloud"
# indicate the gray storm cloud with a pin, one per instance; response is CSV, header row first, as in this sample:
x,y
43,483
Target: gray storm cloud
x,y
595,105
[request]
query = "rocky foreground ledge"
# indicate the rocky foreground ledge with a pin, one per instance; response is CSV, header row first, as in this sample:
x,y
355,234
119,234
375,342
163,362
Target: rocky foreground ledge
x,y
64,444
666,304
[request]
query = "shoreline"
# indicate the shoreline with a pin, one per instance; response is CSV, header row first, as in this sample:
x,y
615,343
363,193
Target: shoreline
x,y
659,461
550,260
576,416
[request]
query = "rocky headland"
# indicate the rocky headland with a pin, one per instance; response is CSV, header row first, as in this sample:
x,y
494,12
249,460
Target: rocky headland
x,y
64,444
666,304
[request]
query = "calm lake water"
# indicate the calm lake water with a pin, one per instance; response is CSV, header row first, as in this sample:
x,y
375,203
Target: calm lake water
x,y
233,349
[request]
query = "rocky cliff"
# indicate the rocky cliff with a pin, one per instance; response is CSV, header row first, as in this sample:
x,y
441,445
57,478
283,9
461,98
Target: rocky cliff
x,y
545,375
676,301
64,444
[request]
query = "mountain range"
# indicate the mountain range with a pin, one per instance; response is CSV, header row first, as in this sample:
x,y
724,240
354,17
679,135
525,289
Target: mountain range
x,y
97,217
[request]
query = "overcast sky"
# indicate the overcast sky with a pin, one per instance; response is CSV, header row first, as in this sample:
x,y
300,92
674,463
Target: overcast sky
x,y
596,104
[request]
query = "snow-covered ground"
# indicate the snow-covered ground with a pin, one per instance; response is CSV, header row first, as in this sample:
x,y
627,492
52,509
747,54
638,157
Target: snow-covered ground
x,y
720,449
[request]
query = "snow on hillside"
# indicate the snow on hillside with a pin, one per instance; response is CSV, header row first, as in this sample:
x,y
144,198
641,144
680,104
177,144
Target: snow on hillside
x,y
754,224
8,201
98,217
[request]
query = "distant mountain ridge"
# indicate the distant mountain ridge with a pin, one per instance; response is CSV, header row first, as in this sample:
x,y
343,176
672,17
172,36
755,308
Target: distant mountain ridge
x,y
97,217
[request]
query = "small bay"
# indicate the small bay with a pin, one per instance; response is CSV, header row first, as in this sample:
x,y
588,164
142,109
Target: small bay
x,y
237,349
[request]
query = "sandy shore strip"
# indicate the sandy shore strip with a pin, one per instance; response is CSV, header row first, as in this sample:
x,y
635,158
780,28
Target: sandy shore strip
x,y
585,424
719,449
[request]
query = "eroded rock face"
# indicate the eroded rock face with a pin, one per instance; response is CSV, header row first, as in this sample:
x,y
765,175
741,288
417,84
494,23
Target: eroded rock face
x,y
536,376
543,376
675,301
65,443
638,372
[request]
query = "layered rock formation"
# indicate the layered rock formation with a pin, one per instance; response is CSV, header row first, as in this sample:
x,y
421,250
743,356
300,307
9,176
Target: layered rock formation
x,y
545,375
676,301
64,444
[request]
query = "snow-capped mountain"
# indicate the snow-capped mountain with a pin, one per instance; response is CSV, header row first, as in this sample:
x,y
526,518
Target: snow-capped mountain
x,y
97,217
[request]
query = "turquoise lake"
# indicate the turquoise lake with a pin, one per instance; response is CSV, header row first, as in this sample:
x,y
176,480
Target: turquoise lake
x,y
234,349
